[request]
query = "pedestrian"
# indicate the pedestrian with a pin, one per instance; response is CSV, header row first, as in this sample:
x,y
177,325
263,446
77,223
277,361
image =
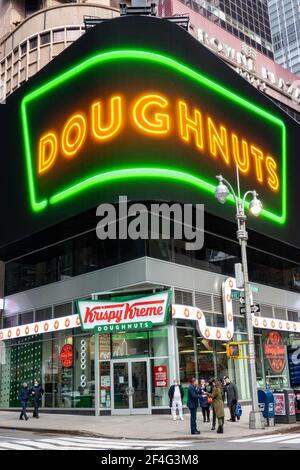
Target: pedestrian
x,y
176,395
210,387
192,403
23,397
37,392
218,405
203,400
232,396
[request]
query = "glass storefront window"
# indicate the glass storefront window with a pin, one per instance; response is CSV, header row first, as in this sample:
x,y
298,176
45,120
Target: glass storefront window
x,y
158,342
187,354
260,373
205,354
104,347
221,359
152,343
105,390
238,369
124,347
63,362
202,358
83,371
159,394
130,344
275,359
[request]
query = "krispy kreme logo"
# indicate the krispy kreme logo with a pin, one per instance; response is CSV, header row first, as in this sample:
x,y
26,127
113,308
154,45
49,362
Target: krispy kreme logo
x,y
142,312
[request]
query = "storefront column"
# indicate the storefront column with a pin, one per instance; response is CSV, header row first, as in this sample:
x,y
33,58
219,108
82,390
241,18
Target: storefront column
x,y
173,361
97,378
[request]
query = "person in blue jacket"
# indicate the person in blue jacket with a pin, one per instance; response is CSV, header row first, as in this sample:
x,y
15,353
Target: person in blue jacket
x,y
192,404
23,397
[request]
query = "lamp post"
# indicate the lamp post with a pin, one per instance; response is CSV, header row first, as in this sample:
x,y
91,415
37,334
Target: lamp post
x,y
222,192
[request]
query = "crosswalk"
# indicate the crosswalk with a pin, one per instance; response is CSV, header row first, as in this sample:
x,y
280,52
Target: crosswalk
x,y
271,439
86,443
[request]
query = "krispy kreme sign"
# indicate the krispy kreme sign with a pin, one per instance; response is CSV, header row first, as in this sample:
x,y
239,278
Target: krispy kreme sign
x,y
124,314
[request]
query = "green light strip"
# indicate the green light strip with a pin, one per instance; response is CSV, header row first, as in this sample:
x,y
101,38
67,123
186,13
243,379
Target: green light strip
x,y
179,67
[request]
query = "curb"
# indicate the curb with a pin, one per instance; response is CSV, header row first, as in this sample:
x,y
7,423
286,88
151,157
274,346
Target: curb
x,y
107,436
103,436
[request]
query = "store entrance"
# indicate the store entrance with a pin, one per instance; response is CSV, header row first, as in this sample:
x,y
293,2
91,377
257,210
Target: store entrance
x,y
130,384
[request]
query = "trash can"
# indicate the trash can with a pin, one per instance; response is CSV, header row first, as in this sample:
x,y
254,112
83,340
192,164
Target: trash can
x,y
285,411
266,405
297,403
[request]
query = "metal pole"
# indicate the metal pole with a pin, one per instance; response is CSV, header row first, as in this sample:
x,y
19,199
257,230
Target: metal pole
x,y
97,377
96,368
255,417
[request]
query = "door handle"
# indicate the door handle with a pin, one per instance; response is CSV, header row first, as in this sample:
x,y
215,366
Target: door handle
x,y
129,391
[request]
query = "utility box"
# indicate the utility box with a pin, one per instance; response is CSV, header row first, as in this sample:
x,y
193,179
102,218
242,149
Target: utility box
x,y
285,410
297,403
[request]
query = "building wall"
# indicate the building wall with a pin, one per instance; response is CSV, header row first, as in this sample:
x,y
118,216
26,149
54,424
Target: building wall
x,y
41,37
150,272
247,19
285,28
192,354
261,71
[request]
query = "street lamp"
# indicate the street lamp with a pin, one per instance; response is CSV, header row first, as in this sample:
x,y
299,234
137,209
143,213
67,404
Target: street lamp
x,y
223,190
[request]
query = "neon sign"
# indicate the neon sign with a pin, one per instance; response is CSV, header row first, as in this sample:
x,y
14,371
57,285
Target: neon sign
x,y
122,130
275,351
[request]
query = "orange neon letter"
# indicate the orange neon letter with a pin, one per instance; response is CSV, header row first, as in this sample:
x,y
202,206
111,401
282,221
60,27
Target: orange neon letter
x,y
273,180
100,131
218,140
73,135
188,124
258,156
242,162
47,152
159,124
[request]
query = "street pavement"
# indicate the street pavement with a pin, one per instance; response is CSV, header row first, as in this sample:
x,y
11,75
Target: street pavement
x,y
26,440
146,427
19,440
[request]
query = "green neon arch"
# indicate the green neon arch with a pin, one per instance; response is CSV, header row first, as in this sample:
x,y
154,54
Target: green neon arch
x,y
149,172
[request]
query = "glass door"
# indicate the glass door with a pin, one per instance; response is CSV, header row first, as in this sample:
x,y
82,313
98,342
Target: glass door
x,y
140,385
131,387
120,387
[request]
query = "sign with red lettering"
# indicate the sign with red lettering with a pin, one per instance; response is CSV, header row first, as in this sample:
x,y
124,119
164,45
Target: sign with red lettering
x,y
126,313
66,356
160,376
275,352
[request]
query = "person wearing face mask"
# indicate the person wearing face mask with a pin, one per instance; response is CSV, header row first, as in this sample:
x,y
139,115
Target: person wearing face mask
x,y
176,395
37,392
23,397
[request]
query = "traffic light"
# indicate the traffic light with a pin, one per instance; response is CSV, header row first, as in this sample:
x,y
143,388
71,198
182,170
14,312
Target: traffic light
x,y
233,350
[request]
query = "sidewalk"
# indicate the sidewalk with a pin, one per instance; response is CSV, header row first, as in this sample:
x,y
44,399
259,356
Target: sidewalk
x,y
154,427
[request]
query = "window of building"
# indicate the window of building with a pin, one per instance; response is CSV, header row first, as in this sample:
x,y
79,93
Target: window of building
x,y
62,310
10,322
33,43
43,314
59,35
293,316
73,34
25,318
44,38
23,48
